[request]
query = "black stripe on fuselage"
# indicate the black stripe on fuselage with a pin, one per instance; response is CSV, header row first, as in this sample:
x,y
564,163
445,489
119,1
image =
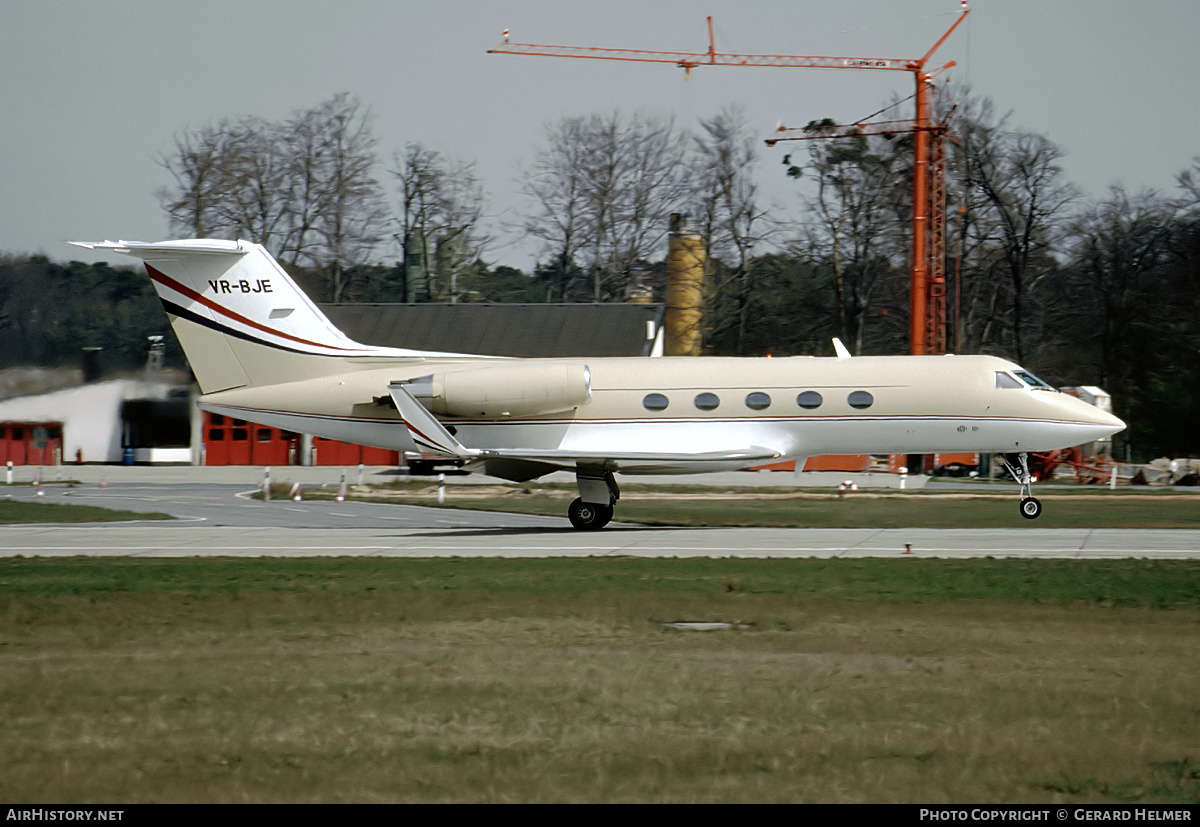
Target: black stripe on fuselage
x,y
182,312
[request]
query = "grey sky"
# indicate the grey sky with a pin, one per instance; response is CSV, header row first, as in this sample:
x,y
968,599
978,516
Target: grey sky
x,y
92,90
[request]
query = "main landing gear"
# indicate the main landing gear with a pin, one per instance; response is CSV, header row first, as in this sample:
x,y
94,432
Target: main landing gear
x,y
589,516
1031,509
598,494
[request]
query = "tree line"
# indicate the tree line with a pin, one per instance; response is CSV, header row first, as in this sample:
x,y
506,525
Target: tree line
x,y
1103,291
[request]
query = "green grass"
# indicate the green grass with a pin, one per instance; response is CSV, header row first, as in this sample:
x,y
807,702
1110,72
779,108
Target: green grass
x,y
1141,583
16,511
397,680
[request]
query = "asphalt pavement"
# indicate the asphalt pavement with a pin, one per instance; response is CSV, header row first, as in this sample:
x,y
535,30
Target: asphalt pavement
x,y
216,516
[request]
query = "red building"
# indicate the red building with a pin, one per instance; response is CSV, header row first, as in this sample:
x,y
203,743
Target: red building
x,y
31,443
238,442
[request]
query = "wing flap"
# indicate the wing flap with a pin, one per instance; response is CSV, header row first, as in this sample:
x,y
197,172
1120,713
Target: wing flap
x,y
426,431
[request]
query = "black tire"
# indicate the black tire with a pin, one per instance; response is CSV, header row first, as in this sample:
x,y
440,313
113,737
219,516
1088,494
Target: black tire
x,y
1031,509
589,516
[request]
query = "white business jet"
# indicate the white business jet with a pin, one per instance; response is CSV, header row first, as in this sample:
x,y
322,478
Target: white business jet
x,y
262,351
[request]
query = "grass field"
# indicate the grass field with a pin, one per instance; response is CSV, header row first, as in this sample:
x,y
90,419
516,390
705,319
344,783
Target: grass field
x,y
358,679
17,511
1085,507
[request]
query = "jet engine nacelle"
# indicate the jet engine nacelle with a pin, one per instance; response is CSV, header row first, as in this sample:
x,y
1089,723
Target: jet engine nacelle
x,y
517,389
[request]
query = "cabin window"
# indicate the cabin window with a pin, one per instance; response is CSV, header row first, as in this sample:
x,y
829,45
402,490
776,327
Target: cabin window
x,y
1032,381
655,402
707,401
809,400
1005,381
860,399
757,401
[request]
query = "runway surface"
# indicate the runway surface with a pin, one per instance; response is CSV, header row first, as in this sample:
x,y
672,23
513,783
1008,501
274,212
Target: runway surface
x,y
217,519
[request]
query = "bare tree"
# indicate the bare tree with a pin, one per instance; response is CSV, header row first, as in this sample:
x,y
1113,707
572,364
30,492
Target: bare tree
x,y
351,213
442,206
1121,252
1189,183
601,190
304,148
1185,243
854,227
633,179
558,215
255,199
197,164
726,197
1017,196
305,188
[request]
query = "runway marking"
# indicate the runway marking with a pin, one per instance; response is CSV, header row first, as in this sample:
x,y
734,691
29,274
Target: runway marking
x,y
730,551
112,525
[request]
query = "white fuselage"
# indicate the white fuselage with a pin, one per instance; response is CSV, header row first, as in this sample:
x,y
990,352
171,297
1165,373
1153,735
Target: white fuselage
x,y
800,406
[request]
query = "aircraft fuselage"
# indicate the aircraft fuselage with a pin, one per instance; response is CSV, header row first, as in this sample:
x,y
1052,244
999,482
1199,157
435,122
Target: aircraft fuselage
x,y
797,406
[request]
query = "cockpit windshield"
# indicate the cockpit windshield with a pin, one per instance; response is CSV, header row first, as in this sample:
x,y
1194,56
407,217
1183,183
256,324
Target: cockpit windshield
x,y
1031,380
1006,380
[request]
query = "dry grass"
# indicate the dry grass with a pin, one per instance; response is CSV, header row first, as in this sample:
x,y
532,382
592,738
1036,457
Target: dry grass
x,y
470,695
1083,507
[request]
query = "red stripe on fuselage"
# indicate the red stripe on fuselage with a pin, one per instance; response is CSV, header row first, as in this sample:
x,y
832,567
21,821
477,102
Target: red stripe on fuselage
x,y
165,280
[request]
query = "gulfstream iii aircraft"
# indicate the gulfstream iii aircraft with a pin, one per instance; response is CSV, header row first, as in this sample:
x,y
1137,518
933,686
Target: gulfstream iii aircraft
x,y
262,351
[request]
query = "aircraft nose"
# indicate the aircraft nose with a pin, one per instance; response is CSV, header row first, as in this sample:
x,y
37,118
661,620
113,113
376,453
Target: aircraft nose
x,y
1100,418
1110,421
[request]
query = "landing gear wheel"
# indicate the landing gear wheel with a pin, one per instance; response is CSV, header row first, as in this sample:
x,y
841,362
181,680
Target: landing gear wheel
x,y
1031,509
589,516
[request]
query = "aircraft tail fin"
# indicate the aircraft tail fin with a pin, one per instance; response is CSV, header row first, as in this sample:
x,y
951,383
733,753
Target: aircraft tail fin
x,y
241,319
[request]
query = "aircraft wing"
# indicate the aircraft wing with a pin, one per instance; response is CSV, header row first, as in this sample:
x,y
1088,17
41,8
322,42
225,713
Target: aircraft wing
x,y
751,454
433,437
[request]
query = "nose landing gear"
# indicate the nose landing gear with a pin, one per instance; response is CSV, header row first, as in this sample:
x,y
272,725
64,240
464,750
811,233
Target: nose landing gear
x,y
1031,508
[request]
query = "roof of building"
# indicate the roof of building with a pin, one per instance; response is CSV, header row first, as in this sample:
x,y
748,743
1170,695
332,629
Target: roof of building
x,y
528,330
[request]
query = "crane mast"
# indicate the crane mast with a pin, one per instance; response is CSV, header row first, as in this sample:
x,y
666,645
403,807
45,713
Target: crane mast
x,y
927,321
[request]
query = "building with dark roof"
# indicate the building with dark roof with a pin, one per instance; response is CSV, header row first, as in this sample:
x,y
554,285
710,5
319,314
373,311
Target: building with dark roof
x,y
520,330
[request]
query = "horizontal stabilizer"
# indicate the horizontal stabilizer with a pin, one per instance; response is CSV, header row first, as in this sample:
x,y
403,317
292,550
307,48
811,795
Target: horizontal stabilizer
x,y
147,250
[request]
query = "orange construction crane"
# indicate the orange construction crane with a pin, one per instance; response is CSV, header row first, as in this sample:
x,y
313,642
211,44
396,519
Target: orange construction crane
x,y
927,153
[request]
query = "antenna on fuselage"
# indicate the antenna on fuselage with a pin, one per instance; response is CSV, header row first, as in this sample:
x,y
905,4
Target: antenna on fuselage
x,y
840,349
